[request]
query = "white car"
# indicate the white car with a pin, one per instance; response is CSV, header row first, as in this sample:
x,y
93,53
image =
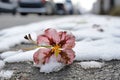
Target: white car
x,y
44,6
35,6
64,6
8,6
69,6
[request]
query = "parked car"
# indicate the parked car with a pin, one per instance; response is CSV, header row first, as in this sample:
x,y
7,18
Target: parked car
x,y
64,7
35,6
69,6
60,8
44,7
7,6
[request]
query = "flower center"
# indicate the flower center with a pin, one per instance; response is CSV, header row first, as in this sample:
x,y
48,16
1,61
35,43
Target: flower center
x,y
56,49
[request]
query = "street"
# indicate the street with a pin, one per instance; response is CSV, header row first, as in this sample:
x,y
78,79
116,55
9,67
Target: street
x,y
97,41
9,20
59,40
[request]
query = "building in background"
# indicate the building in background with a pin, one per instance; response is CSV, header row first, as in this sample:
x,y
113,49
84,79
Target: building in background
x,y
106,6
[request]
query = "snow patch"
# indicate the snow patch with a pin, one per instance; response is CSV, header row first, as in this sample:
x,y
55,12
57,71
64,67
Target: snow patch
x,y
52,66
6,74
91,64
9,53
2,64
21,57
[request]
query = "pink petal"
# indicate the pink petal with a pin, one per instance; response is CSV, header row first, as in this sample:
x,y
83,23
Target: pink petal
x,y
71,55
42,39
62,35
70,42
53,35
39,56
67,56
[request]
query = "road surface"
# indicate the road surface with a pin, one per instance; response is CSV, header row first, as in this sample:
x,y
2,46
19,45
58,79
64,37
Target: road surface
x,y
26,70
8,20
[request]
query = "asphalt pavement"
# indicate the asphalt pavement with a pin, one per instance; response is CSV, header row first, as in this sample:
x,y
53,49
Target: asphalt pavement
x,y
9,20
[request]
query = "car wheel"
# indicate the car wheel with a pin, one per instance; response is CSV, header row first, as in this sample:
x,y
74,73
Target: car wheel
x,y
39,14
23,14
14,12
49,9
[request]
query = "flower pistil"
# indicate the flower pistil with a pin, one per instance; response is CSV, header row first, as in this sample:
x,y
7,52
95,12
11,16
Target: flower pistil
x,y
56,49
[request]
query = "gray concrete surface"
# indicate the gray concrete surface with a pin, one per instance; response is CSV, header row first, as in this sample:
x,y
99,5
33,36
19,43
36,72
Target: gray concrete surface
x,y
9,20
26,70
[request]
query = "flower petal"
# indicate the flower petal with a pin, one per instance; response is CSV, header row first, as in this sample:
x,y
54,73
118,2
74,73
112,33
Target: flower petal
x,y
70,42
42,39
62,35
71,55
40,56
67,56
52,34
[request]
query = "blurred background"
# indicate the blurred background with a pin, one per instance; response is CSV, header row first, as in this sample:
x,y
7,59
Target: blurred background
x,y
20,12
45,7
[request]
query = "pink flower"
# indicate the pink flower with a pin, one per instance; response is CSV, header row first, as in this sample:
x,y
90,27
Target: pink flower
x,y
58,44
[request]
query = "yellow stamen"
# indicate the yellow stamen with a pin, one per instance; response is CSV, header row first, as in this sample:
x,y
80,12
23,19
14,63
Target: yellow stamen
x,y
56,49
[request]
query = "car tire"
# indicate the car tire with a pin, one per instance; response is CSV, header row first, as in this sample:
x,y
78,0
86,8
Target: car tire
x,y
39,14
23,14
49,9
14,12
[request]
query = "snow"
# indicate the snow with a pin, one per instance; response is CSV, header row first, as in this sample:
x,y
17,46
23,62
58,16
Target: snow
x,y
6,74
9,53
23,56
91,43
91,64
2,64
106,49
53,65
8,42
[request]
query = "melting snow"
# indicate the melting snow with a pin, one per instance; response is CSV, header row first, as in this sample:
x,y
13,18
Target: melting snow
x,y
9,53
6,74
91,64
97,37
2,64
53,65
23,56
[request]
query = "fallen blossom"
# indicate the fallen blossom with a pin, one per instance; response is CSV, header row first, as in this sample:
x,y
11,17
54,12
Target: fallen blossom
x,y
58,44
53,44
